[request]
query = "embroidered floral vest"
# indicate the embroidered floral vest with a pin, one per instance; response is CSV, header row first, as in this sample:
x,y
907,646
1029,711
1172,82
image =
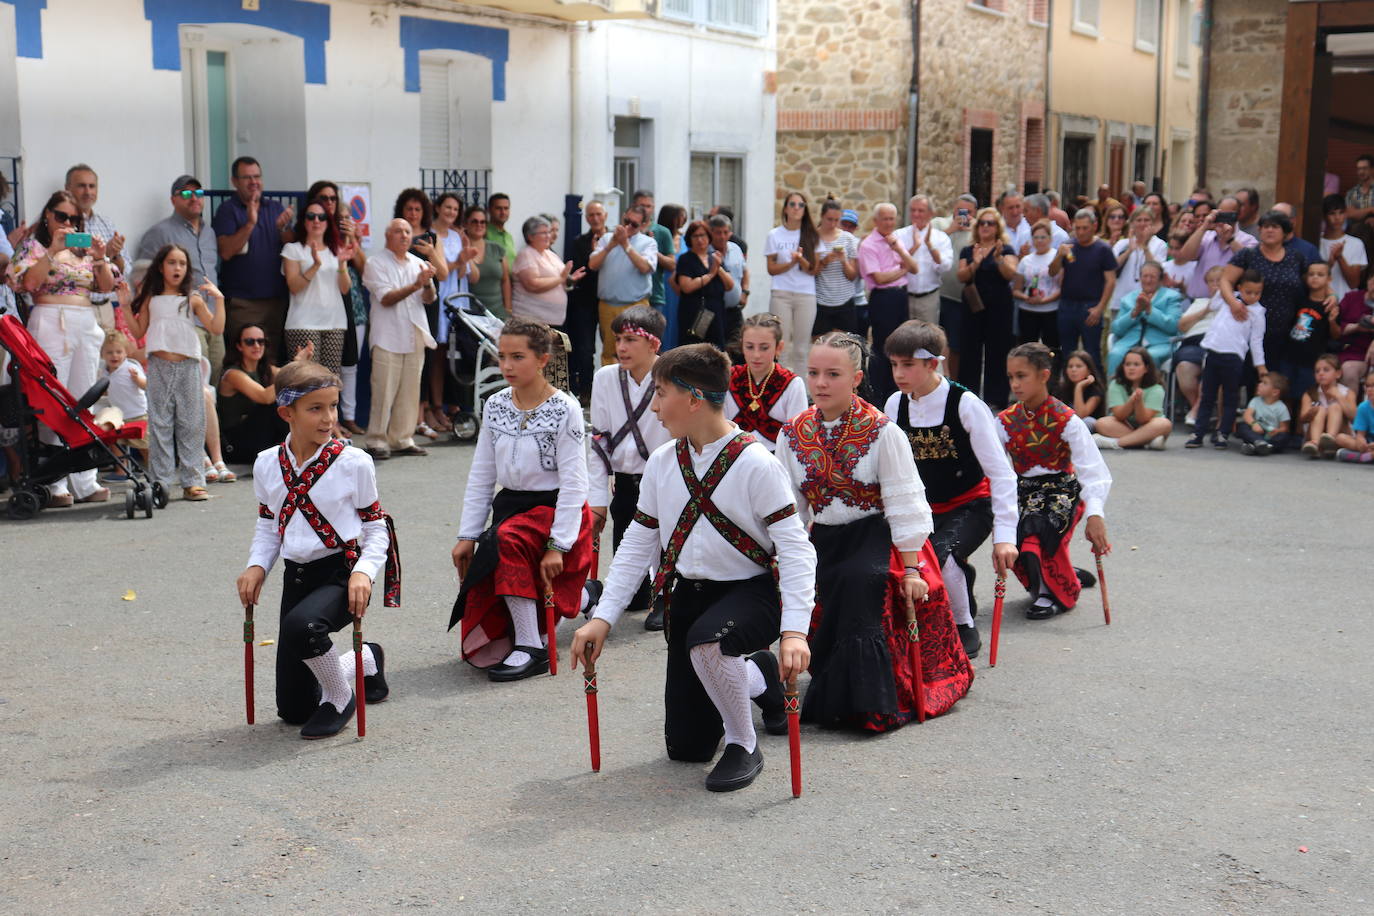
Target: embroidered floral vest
x,y
1036,439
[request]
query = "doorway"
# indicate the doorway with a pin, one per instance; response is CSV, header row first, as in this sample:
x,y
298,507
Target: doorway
x,y
980,164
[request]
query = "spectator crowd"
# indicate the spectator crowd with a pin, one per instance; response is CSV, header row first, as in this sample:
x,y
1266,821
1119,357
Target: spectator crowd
x,y
1156,311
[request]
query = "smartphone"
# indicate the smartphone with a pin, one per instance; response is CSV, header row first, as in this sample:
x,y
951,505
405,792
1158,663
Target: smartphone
x,y
1223,216
78,240
963,214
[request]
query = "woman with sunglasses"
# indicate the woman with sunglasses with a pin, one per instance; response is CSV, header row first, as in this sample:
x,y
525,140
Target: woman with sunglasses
x,y
63,321
247,405
987,266
493,284
792,265
355,301
317,283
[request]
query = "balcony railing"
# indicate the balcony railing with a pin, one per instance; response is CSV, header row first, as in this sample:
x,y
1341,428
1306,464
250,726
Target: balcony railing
x,y
577,10
472,185
749,16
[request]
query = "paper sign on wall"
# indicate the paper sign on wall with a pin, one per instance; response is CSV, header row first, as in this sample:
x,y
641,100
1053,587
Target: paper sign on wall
x,y
357,198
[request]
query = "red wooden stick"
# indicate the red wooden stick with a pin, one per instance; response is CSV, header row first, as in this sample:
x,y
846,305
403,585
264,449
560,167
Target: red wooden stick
x,y
593,718
913,633
1102,584
358,688
550,622
1000,590
248,660
793,707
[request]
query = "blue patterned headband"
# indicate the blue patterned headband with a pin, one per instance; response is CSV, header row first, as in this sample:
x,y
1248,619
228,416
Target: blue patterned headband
x,y
715,397
288,396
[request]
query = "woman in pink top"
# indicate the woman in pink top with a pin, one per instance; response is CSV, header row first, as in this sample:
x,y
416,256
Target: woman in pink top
x,y
540,290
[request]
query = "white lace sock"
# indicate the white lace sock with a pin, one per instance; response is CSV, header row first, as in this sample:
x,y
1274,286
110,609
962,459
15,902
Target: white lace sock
x,y
726,679
525,621
956,587
586,599
334,687
346,663
757,684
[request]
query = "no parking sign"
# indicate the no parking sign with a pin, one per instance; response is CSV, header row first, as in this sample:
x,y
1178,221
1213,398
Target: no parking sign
x,y
358,199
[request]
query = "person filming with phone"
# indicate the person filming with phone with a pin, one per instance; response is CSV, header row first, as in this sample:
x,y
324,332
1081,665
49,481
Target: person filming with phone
x,y
1215,240
60,265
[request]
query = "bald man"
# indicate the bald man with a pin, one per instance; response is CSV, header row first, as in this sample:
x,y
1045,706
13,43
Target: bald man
x,y
884,263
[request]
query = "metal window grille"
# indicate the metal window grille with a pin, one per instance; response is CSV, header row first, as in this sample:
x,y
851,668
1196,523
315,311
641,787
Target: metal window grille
x,y
472,185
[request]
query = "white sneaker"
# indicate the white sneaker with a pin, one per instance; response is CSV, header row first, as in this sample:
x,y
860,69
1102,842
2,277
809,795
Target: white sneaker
x,y
1190,420
1105,441
1158,443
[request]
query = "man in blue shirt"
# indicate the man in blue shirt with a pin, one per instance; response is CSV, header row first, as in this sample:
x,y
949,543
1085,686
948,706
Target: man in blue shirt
x,y
623,266
251,232
1089,269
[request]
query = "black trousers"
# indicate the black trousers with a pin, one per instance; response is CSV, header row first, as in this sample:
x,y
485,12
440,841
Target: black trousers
x,y
835,318
887,309
734,323
743,617
622,509
582,329
984,342
1041,326
314,603
1220,371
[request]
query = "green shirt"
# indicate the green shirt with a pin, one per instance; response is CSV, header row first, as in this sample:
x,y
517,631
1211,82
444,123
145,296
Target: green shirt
x,y
664,239
1118,395
505,240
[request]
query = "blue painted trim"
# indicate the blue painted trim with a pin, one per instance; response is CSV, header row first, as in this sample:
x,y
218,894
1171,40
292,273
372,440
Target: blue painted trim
x,y
306,20
28,26
434,35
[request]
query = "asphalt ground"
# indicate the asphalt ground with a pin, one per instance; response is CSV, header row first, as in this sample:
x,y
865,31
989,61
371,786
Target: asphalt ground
x,y
1209,752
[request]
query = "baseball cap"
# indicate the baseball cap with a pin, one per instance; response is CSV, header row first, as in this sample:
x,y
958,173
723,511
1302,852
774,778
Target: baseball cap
x,y
849,216
184,182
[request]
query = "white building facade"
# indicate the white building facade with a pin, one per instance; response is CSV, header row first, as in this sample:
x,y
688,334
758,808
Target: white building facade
x,y
540,99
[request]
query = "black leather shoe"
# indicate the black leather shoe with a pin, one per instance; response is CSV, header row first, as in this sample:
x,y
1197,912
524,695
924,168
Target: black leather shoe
x,y
538,664
736,769
375,688
1085,578
1044,611
973,643
771,700
595,588
655,619
328,721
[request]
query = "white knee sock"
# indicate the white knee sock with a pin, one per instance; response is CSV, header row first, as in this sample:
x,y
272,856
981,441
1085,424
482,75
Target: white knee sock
x,y
346,663
726,680
525,621
334,687
757,684
956,587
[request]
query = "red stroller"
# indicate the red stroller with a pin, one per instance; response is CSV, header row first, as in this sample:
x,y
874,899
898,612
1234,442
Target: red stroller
x,y
37,395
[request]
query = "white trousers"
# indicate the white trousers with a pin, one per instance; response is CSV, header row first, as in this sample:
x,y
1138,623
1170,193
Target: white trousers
x,y
71,336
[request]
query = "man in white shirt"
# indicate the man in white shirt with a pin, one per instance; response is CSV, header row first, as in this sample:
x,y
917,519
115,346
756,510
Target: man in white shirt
x,y
1018,227
1038,208
1345,253
934,257
400,286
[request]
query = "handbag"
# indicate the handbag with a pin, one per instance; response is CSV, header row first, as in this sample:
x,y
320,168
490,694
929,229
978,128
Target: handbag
x,y
701,324
972,299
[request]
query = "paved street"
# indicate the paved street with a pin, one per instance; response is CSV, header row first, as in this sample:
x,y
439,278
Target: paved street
x,y
1176,762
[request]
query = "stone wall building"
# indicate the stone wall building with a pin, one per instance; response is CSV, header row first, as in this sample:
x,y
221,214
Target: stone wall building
x,y
847,103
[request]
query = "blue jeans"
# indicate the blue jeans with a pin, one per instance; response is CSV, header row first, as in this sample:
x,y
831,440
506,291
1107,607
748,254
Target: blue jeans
x,y
1074,333
1224,371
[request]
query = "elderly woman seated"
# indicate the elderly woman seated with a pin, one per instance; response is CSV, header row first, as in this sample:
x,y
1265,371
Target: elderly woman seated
x,y
1146,318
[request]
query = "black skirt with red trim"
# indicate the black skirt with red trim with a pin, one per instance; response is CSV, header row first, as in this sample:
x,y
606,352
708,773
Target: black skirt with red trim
x,y
1050,511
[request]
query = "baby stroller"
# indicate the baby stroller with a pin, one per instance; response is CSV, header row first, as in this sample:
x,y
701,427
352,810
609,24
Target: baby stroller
x,y
473,335
37,395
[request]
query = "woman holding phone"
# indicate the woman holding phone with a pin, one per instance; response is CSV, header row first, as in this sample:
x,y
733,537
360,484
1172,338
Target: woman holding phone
x,y
60,265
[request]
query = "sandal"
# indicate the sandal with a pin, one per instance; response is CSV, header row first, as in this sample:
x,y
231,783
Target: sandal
x,y
424,429
210,471
194,494
225,475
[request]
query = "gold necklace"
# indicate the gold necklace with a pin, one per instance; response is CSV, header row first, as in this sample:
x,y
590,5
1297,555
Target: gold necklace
x,y
525,414
749,386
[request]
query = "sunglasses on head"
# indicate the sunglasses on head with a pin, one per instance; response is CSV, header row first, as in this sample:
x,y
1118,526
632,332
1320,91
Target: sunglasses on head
x,y
188,193
316,218
63,216
254,341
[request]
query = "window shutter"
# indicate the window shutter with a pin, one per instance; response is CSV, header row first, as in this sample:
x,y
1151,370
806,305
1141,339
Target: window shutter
x,y
434,115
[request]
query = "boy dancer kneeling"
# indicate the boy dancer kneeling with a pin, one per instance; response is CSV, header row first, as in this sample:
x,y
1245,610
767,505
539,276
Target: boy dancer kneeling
x,y
714,508
318,510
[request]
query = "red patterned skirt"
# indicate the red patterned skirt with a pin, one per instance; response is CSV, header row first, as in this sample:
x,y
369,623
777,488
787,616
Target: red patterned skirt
x,y
1050,511
861,666
520,542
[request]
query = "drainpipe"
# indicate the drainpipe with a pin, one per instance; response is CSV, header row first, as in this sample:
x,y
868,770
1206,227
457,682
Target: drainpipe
x,y
913,101
1156,179
1050,146
1204,93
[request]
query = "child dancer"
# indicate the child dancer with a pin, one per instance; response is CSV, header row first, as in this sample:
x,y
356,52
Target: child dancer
x,y
764,394
967,478
318,511
625,431
1236,328
855,480
1264,425
1080,388
176,398
714,509
1061,479
540,534
1327,409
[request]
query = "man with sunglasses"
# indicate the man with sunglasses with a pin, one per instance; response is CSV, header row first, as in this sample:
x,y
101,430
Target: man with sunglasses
x,y
624,267
187,227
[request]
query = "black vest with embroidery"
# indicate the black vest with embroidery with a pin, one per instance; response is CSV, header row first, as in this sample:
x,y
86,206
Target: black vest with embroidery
x,y
944,454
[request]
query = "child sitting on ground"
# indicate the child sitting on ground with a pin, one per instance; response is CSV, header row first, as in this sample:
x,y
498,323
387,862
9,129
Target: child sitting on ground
x,y
1080,389
1237,328
1135,405
1264,426
1358,445
1327,409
